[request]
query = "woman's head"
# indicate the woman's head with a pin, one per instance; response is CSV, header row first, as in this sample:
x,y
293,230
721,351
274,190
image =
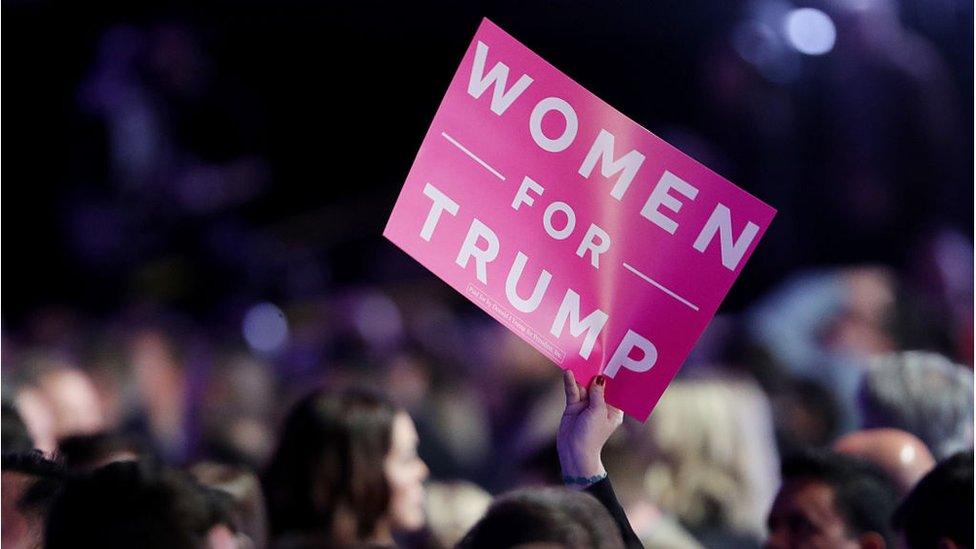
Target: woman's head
x,y
347,468
545,517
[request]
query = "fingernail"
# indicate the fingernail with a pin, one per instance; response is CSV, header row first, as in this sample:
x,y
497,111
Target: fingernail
x,y
600,380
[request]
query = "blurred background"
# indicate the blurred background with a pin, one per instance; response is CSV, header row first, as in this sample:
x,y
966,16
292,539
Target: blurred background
x,y
192,230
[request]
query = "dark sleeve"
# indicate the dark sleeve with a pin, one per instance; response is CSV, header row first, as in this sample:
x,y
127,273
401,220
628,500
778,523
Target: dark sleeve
x,y
603,491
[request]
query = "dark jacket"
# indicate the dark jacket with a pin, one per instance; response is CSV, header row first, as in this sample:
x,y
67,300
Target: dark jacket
x,y
603,491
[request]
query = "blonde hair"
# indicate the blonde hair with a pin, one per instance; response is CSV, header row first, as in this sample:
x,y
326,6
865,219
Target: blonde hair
x,y
453,508
715,463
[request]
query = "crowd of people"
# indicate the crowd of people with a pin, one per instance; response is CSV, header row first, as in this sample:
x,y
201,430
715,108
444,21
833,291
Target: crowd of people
x,y
206,342
803,421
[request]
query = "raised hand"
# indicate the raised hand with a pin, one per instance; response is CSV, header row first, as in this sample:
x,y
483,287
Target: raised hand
x,y
587,423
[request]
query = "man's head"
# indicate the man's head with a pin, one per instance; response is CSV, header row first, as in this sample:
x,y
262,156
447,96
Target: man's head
x,y
831,500
544,517
900,454
136,504
939,511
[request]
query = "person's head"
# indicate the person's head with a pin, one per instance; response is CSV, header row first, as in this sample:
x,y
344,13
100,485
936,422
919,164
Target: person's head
x,y
137,504
714,461
545,517
807,414
452,509
831,500
346,469
924,394
939,511
901,455
89,452
247,506
30,482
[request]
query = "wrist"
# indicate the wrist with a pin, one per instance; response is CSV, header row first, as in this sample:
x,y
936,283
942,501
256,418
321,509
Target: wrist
x,y
581,469
582,483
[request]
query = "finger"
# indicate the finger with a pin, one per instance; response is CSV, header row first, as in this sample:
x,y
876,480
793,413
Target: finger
x,y
572,388
582,392
597,393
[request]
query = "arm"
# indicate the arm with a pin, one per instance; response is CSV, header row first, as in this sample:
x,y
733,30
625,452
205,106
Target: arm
x,y
587,423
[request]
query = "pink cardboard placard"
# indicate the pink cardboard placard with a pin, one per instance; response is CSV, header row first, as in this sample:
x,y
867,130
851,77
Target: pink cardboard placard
x,y
589,237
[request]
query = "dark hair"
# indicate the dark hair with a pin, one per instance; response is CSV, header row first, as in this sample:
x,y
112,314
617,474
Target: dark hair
x,y
16,438
45,480
246,498
941,505
134,504
575,520
87,452
330,459
863,495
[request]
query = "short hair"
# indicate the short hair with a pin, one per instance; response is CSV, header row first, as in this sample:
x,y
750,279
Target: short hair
x,y
134,504
45,477
575,520
940,506
16,437
330,459
90,451
923,393
863,496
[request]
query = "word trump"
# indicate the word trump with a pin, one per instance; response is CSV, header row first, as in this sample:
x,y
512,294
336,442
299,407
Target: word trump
x,y
480,246
625,167
592,239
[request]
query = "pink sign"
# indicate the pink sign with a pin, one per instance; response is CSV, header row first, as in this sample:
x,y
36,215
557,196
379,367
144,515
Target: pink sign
x,y
591,238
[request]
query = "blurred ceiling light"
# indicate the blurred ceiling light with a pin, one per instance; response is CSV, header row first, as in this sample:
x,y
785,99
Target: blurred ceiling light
x,y
265,327
759,44
810,31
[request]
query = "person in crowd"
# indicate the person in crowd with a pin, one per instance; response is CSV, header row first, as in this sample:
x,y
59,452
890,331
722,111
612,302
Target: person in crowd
x,y
346,472
831,500
544,517
923,393
247,508
16,438
712,459
82,453
586,425
824,324
138,504
939,511
29,483
901,455
584,514
452,508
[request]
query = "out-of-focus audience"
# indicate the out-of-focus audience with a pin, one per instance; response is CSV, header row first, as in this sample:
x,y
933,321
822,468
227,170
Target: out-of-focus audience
x,y
250,371
346,467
